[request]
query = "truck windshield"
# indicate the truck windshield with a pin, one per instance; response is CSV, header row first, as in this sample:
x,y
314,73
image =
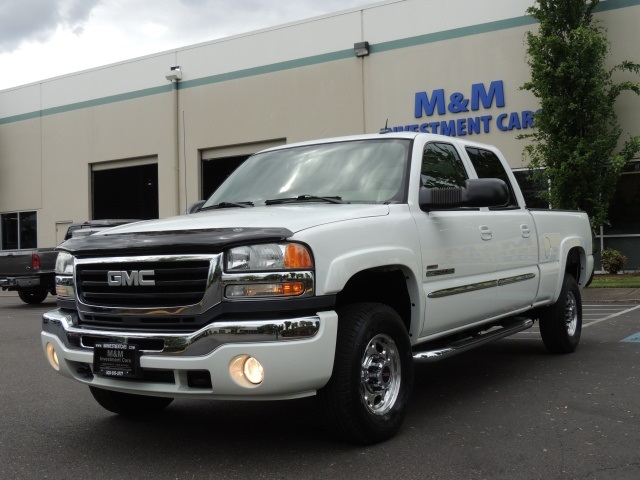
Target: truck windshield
x,y
351,171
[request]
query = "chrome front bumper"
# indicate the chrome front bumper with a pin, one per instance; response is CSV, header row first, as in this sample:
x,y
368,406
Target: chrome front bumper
x,y
296,353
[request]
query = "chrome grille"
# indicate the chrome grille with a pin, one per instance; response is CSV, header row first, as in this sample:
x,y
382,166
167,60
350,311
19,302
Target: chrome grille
x,y
177,283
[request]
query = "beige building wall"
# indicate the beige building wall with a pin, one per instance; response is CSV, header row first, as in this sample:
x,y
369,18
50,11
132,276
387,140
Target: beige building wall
x,y
288,106
623,32
21,181
72,142
453,66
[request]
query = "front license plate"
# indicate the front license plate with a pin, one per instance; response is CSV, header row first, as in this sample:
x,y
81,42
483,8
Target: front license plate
x,y
116,360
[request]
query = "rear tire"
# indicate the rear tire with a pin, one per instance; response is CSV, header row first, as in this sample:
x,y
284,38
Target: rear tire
x,y
366,398
127,404
561,323
32,297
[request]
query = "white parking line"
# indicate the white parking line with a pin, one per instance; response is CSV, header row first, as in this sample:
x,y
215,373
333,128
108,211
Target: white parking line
x,y
602,309
611,316
608,306
591,309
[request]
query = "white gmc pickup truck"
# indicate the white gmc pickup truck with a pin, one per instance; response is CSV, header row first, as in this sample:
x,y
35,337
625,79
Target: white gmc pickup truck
x,y
320,268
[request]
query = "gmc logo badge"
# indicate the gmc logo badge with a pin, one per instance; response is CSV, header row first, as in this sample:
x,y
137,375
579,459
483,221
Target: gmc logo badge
x,y
139,278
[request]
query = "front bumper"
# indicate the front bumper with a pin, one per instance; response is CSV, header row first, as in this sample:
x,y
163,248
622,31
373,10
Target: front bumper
x,y
295,365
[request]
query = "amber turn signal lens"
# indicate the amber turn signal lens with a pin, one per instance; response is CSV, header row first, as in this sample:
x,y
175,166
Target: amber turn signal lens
x,y
297,256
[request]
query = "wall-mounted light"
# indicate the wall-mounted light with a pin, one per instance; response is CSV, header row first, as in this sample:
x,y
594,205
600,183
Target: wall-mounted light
x,y
361,49
174,75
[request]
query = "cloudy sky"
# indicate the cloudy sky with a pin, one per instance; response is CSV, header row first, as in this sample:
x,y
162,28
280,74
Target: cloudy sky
x,y
40,39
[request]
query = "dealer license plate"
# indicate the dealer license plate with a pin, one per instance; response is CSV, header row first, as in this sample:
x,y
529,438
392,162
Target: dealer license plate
x,y
116,360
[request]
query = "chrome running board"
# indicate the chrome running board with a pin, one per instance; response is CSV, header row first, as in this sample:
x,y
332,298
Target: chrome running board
x,y
516,325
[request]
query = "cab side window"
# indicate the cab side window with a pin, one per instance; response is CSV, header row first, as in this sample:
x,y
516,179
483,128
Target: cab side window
x,y
442,167
488,165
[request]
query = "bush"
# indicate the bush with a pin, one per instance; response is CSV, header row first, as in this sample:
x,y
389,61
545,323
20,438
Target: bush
x,y
612,260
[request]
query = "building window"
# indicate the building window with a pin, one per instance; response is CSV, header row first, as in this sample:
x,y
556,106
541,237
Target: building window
x,y
625,205
18,230
623,233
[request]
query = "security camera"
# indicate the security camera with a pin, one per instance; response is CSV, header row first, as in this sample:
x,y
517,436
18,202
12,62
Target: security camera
x,y
174,74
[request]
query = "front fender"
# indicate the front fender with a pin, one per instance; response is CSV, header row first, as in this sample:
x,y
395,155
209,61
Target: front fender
x,y
345,266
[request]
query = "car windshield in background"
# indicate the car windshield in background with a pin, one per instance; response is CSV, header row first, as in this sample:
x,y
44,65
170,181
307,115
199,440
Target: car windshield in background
x,y
369,171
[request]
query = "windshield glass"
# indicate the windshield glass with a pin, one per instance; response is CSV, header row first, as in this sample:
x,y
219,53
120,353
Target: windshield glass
x,y
354,171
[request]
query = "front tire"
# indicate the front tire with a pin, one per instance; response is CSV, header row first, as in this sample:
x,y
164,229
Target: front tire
x,y
561,323
127,404
32,297
366,398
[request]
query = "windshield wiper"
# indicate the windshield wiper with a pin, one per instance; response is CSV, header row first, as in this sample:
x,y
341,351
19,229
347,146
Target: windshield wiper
x,y
228,205
303,198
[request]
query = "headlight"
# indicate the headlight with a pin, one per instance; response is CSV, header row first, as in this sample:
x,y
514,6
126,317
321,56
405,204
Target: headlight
x,y
64,264
268,256
64,275
268,270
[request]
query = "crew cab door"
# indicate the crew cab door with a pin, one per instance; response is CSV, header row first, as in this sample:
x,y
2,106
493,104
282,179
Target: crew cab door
x,y
457,247
514,237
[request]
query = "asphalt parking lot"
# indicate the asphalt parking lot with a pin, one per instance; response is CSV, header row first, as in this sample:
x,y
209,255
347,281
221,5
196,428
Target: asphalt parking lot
x,y
508,410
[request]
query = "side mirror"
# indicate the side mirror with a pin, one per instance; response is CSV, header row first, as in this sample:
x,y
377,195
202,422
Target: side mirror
x,y
481,192
195,206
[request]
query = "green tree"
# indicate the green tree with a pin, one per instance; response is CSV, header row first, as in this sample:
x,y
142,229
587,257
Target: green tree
x,y
576,130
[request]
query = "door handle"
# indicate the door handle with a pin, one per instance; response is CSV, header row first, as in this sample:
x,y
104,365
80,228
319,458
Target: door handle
x,y
485,232
526,232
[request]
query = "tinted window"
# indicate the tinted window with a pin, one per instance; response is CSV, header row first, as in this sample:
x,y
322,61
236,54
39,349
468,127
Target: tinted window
x,y
9,231
18,230
28,230
532,188
625,205
442,167
488,165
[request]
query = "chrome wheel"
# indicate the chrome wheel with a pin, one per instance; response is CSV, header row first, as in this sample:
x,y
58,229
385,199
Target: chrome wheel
x,y
381,374
571,314
366,399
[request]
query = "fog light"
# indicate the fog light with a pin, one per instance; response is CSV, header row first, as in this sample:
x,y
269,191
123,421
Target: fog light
x,y
253,371
246,371
52,356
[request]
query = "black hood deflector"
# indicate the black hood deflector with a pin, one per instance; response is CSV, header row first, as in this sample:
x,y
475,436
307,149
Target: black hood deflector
x,y
213,240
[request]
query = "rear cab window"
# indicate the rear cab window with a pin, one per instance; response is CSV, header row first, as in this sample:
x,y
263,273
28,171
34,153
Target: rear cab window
x,y
488,165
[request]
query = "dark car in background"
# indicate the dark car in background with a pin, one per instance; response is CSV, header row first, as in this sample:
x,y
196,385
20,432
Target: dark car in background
x,y
31,272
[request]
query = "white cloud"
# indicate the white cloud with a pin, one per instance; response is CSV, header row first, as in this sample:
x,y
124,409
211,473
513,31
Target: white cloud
x,y
48,38
154,30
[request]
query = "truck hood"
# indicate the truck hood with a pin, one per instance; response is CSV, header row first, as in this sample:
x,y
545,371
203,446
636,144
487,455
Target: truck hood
x,y
292,217
214,230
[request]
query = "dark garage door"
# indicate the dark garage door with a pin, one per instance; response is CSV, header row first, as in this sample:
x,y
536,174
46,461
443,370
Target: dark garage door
x,y
215,171
129,192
